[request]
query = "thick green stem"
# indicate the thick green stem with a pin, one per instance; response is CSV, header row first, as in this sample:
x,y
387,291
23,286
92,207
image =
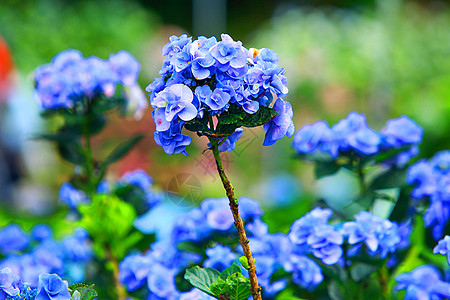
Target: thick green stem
x,y
234,206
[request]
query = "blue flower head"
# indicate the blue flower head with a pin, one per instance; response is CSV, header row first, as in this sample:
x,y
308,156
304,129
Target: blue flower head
x,y
52,287
161,281
71,78
205,82
12,238
8,284
42,232
219,257
424,282
380,236
133,271
432,181
72,196
402,131
303,227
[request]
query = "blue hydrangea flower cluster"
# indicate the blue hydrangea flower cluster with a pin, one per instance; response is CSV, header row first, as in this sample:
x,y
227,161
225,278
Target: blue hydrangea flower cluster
x,y
443,247
432,180
52,287
424,282
380,236
138,179
206,77
43,254
71,78
352,135
312,234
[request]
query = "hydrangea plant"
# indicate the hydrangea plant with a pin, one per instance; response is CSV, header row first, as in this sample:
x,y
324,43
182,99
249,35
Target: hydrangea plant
x,y
213,88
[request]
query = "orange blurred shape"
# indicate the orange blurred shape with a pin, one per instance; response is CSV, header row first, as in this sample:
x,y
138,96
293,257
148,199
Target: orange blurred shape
x,y
6,68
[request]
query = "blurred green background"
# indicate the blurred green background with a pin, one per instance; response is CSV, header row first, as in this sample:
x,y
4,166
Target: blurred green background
x,y
382,58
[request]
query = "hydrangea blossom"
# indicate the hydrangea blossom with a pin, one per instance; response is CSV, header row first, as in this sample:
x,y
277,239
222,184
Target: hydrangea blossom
x,y
8,283
207,78
134,270
52,287
443,247
71,196
431,180
70,78
219,257
12,238
352,135
140,179
424,282
379,235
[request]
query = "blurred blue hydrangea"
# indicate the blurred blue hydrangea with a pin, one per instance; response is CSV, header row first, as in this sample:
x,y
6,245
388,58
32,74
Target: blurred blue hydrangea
x,y
12,239
423,282
431,180
219,257
70,78
8,284
352,135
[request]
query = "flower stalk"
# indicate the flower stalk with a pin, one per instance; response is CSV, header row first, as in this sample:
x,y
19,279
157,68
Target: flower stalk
x,y
234,206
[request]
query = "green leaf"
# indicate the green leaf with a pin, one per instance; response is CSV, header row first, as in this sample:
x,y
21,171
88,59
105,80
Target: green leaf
x,y
87,292
71,151
104,104
239,286
262,116
197,125
326,168
121,150
232,116
334,291
390,179
219,287
226,129
234,268
202,278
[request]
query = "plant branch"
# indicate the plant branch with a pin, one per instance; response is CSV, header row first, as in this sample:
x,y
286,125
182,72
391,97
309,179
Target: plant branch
x,y
120,290
234,206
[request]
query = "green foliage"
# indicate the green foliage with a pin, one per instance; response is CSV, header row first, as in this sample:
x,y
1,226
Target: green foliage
x,y
202,278
37,30
121,150
230,283
326,168
109,221
81,291
261,117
